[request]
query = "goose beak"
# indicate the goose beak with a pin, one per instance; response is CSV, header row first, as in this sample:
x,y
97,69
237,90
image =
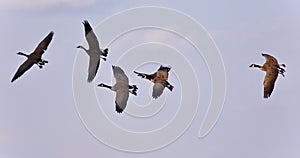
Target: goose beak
x,y
78,47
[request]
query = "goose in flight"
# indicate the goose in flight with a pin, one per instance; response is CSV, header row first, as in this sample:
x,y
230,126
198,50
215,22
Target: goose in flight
x,y
121,87
272,68
35,57
94,51
159,78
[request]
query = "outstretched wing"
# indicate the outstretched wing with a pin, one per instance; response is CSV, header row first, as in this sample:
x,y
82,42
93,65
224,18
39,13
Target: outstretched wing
x,y
164,68
158,89
90,36
121,99
43,45
270,59
120,75
269,81
22,69
93,67
146,76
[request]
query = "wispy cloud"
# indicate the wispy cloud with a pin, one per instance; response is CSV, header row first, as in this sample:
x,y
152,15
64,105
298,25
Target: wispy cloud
x,y
38,4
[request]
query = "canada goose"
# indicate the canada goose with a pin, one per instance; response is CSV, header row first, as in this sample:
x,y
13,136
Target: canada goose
x,y
35,57
94,51
159,79
121,87
272,68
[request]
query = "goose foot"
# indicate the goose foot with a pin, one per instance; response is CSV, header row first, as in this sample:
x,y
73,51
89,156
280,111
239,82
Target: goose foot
x,y
281,72
103,58
105,52
41,63
134,87
133,92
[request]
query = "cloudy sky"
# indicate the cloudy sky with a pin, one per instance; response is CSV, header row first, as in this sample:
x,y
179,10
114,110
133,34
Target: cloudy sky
x,y
38,116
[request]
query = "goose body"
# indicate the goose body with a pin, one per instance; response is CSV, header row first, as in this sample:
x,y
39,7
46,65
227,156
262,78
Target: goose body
x,y
94,52
159,78
121,87
35,57
272,69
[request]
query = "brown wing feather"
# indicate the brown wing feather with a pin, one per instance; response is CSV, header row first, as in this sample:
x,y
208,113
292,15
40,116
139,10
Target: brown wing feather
x,y
158,89
150,77
43,45
22,69
120,75
121,99
269,81
90,36
93,68
270,59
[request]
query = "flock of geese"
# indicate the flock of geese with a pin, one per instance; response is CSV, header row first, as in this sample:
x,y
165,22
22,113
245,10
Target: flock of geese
x,y
95,53
122,87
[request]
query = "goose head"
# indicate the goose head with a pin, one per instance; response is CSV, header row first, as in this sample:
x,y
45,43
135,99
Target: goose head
x,y
252,65
101,85
104,85
20,53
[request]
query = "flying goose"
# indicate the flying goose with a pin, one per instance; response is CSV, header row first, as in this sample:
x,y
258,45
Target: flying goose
x,y
159,79
121,87
35,57
272,68
94,51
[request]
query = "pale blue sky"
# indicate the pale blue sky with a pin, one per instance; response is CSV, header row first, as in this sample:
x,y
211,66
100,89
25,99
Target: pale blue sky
x,y
38,117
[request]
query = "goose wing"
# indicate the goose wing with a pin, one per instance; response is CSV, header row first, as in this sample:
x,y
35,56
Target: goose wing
x,y
270,59
164,68
120,75
121,98
93,67
269,81
43,45
146,76
90,36
22,69
158,89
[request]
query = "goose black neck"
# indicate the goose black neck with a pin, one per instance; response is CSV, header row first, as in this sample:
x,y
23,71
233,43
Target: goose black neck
x,y
20,53
254,65
80,46
104,85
